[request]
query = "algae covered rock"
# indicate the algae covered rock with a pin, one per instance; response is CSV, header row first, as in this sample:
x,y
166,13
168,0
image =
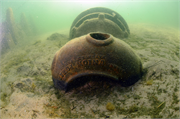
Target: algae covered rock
x,y
56,36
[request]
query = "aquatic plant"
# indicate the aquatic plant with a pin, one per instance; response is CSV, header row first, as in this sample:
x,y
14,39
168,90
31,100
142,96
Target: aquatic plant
x,y
33,86
133,108
3,96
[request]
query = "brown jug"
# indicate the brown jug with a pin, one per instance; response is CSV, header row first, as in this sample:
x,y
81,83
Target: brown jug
x,y
95,55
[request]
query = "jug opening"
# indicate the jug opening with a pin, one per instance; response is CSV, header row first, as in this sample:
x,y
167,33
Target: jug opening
x,y
99,36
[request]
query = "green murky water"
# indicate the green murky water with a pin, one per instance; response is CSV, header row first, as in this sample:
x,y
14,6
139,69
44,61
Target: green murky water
x,y
27,52
57,14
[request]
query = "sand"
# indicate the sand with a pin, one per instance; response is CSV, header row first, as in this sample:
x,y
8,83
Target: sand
x,y
27,89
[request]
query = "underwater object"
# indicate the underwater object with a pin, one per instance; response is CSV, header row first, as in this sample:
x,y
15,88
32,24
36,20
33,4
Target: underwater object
x,y
94,57
11,26
149,82
11,32
110,106
99,19
8,32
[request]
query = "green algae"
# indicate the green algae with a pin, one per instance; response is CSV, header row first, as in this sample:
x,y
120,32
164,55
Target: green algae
x,y
4,96
15,61
175,98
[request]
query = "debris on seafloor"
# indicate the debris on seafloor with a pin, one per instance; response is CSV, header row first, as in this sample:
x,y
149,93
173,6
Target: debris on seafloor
x,y
110,106
149,82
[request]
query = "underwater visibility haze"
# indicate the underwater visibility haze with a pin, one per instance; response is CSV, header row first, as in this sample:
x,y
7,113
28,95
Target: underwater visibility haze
x,y
56,14
45,45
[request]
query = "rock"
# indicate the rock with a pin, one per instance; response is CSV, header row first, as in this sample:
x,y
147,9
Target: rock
x,y
56,36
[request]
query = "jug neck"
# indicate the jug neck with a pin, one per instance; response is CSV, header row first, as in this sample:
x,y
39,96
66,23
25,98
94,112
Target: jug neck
x,y
99,39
